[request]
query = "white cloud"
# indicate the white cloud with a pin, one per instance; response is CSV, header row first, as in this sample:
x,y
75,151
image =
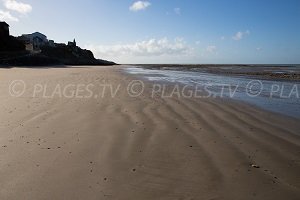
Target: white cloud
x,y
177,11
148,48
17,6
147,51
222,38
198,42
6,16
258,49
139,5
211,49
240,35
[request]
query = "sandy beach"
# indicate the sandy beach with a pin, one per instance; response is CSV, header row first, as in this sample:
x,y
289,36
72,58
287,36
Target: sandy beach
x,y
115,146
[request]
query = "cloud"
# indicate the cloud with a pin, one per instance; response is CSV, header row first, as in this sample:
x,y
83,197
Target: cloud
x,y
258,49
146,48
17,6
177,11
6,16
139,5
211,49
240,35
222,38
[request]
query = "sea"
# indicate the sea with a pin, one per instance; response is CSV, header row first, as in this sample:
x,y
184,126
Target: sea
x,y
278,96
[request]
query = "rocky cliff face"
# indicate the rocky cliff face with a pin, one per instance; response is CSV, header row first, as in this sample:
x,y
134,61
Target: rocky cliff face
x,y
10,44
60,55
69,55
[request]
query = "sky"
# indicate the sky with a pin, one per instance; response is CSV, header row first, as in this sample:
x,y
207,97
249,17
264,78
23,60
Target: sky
x,y
167,31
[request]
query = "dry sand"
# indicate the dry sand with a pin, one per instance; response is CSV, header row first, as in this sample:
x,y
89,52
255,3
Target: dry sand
x,y
139,148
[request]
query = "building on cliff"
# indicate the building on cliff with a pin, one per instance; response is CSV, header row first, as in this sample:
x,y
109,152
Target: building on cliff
x,y
4,30
51,43
34,41
9,43
72,44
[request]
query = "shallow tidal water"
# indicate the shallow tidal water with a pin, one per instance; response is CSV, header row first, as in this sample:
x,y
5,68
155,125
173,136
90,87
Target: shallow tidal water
x,y
276,96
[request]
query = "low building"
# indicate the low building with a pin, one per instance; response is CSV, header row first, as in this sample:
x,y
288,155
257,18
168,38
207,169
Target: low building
x,y
9,43
26,42
29,47
51,43
4,30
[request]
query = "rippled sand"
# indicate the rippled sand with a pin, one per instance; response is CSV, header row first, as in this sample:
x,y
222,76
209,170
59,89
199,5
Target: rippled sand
x,y
139,148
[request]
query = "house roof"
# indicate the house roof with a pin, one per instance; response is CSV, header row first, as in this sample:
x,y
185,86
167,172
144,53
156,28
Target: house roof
x,y
35,35
39,34
4,23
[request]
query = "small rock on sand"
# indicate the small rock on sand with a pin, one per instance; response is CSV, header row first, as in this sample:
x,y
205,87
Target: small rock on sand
x,y
255,166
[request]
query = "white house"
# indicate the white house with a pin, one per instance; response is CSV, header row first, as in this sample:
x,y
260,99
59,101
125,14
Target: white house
x,y
36,39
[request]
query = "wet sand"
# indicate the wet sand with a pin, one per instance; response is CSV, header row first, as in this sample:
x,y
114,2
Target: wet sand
x,y
139,148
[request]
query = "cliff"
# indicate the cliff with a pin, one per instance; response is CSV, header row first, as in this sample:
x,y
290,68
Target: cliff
x,y
51,56
69,55
10,44
36,50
